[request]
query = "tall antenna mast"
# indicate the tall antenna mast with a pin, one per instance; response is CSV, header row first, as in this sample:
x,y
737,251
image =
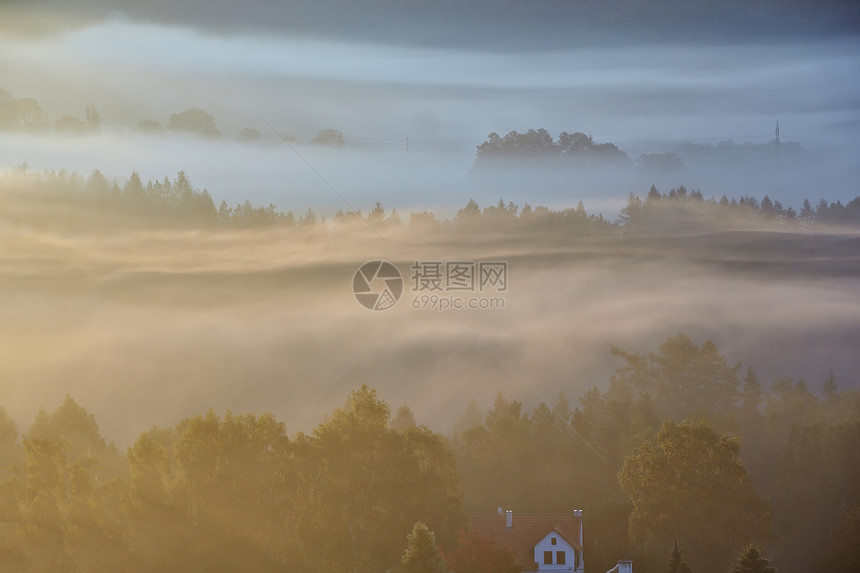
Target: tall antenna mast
x,y
777,135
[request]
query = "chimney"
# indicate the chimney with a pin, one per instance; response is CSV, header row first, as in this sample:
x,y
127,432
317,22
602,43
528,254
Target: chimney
x,y
580,565
509,518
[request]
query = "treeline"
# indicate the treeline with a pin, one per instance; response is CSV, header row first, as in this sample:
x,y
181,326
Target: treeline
x,y
223,493
692,207
156,203
26,115
367,491
177,202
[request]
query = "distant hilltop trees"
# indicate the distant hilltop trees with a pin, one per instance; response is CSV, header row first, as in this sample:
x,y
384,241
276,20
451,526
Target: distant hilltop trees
x,y
329,138
570,148
26,115
194,120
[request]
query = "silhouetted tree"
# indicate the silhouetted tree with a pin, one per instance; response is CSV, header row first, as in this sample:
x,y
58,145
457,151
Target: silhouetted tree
x,y
751,561
676,563
469,215
403,419
329,138
376,215
194,120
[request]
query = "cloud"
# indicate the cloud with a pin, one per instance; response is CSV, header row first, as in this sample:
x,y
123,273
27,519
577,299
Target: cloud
x,y
501,26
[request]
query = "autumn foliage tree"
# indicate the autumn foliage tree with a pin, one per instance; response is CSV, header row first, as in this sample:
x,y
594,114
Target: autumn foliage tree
x,y
362,484
689,484
422,555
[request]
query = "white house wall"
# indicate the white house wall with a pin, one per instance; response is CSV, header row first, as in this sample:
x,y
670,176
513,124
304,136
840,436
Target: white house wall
x,y
545,544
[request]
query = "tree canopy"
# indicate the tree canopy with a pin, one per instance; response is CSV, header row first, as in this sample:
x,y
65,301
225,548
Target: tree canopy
x,y
194,120
422,555
569,149
688,484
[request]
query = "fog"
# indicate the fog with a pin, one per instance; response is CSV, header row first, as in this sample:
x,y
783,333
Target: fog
x,y
163,323
645,99
144,327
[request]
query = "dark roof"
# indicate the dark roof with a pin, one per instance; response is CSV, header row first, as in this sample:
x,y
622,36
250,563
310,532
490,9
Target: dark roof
x,y
525,533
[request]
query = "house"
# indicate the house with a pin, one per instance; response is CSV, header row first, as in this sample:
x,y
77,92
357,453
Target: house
x,y
539,543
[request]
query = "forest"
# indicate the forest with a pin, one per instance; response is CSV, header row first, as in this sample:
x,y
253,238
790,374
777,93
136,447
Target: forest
x,y
330,287
100,204
680,458
683,447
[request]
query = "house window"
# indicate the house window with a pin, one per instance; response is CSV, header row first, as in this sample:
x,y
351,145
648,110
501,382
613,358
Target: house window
x,y
552,541
547,557
559,557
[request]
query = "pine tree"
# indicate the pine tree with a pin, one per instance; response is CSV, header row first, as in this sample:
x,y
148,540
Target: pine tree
x,y
676,563
767,207
806,217
751,561
830,387
403,419
134,186
751,394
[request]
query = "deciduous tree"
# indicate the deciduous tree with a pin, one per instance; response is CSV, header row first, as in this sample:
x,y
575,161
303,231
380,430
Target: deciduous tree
x,y
689,484
422,555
